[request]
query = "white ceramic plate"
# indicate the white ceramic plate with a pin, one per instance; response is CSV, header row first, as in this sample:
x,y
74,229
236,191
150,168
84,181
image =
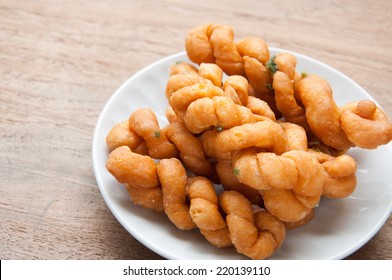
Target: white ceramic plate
x,y
340,226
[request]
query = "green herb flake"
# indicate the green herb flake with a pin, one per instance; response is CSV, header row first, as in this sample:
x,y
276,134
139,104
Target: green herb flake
x,y
236,171
271,65
269,86
178,62
157,134
304,74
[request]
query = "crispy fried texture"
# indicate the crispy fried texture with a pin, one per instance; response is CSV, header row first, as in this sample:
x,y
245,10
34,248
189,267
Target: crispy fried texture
x,y
300,223
322,113
283,85
237,87
183,74
190,149
339,174
260,108
121,135
365,124
340,178
260,78
296,136
182,98
211,72
228,132
205,212
214,43
229,180
290,184
131,168
139,174
265,134
182,67
173,178
145,124
220,112
263,171
254,233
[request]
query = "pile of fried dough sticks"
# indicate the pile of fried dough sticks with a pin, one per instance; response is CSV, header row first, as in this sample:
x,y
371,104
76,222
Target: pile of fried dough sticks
x,y
272,137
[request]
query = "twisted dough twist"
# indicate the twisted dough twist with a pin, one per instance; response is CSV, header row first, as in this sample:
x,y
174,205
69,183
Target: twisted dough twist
x,y
265,134
339,174
283,85
164,186
144,123
224,170
290,184
365,124
139,174
214,43
183,74
204,211
156,186
359,123
202,105
254,232
189,147
219,111
143,135
173,178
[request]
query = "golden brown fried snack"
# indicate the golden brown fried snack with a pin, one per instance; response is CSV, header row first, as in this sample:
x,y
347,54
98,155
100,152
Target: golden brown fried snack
x,y
229,180
190,148
208,141
292,205
237,87
266,134
322,113
198,46
139,174
211,72
182,67
300,223
283,85
182,98
145,124
340,178
205,212
263,171
121,135
260,108
339,174
286,63
296,136
260,79
365,125
173,178
214,43
150,198
254,232
255,54
290,184
171,115
180,80
184,74
219,111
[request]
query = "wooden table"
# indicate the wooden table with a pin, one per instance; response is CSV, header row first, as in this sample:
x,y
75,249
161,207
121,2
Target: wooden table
x,y
60,61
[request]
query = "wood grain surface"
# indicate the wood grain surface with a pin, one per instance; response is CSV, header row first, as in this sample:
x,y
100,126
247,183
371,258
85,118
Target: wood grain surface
x,y
60,61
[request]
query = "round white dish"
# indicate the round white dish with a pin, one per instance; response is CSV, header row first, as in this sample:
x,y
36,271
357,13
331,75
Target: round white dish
x,y
340,226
